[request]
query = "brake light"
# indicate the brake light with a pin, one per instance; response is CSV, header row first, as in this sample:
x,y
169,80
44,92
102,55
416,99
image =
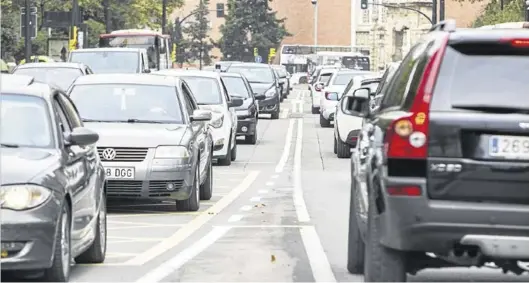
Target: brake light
x,y
407,137
517,42
317,87
408,191
328,95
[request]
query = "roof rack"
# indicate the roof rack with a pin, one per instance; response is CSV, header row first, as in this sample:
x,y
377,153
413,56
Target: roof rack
x,y
448,25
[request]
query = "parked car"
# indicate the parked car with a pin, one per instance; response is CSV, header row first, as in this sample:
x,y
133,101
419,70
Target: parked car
x,y
284,79
52,184
446,163
60,74
154,141
317,87
349,115
247,114
211,94
263,81
110,60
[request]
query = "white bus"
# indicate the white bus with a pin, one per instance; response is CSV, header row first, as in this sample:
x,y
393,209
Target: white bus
x,y
350,60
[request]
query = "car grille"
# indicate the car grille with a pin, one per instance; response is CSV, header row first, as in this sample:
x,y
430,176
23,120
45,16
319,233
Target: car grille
x,y
124,188
159,188
124,154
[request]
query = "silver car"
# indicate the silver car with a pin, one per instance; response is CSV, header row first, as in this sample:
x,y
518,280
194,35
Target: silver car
x,y
154,141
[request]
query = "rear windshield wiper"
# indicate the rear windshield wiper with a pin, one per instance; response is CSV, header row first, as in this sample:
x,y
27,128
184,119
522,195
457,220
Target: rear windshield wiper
x,y
493,109
9,145
143,121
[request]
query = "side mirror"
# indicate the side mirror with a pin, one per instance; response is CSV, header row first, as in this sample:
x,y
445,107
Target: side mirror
x,y
259,96
147,71
281,83
201,116
235,102
82,136
362,92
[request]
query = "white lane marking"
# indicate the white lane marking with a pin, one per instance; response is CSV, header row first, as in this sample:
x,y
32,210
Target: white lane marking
x,y
150,226
255,199
275,176
299,202
264,226
246,208
235,218
253,162
269,183
164,270
263,191
286,150
300,108
195,224
284,114
321,268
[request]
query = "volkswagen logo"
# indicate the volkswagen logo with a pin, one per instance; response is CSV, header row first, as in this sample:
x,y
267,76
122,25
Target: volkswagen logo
x,y
109,154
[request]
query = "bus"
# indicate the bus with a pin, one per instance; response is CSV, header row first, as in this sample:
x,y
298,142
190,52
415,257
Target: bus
x,y
350,60
301,58
157,44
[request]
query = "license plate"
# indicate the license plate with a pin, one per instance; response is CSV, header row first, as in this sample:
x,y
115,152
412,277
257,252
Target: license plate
x,y
510,147
120,172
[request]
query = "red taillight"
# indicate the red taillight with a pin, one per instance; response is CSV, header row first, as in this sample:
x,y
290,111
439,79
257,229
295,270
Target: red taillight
x,y
409,191
407,137
328,95
523,43
317,87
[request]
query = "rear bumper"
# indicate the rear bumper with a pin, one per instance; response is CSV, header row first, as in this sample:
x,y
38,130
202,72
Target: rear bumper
x,y
420,224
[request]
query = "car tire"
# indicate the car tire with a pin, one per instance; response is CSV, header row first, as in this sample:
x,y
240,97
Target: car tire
x,y
324,123
234,152
62,254
275,115
206,189
315,110
251,139
343,150
96,253
193,202
355,244
381,264
226,161
335,146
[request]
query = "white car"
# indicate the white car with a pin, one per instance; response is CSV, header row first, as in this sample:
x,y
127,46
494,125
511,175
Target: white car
x,y
317,88
333,92
349,118
210,94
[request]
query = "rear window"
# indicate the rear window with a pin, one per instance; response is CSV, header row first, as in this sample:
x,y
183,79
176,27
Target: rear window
x,y
489,76
324,78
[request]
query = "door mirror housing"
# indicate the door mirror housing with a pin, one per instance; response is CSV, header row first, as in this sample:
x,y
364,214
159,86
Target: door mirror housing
x,y
201,116
259,96
235,102
82,136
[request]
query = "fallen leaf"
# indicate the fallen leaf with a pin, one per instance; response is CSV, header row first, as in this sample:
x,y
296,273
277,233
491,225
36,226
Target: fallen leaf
x,y
211,213
273,258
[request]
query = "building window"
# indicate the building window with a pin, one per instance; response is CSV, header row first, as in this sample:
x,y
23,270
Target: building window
x,y
365,16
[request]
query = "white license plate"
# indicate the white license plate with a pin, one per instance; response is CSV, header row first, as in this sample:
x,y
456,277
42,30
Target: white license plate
x,y
120,172
511,147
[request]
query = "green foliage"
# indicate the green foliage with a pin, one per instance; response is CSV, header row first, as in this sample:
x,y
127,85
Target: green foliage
x,y
513,11
250,24
197,46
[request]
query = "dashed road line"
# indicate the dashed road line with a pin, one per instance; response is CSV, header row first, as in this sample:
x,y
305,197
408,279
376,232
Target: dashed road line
x,y
235,218
269,184
255,199
263,191
246,208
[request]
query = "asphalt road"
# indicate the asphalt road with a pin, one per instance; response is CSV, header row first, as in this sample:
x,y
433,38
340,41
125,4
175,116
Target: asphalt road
x,y
279,214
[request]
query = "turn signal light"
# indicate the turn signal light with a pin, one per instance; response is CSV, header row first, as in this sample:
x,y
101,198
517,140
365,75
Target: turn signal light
x,y
408,191
403,128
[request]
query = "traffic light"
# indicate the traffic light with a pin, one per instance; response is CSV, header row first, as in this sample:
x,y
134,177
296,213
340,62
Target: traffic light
x,y
363,4
220,10
255,52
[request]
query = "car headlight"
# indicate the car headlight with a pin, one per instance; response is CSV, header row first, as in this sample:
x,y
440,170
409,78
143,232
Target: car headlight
x,y
271,92
171,152
21,197
217,122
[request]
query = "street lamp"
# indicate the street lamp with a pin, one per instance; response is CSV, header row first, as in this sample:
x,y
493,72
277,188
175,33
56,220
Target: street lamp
x,y
315,4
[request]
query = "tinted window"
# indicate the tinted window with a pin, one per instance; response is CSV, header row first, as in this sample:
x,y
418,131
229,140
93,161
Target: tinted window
x,y
254,74
343,79
324,78
205,90
121,102
108,61
25,121
62,77
356,62
482,76
236,86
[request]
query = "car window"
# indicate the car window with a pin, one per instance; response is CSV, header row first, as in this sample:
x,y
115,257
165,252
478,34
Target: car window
x,y
188,103
189,94
236,87
343,79
254,74
25,121
61,77
108,61
325,77
70,111
205,90
371,85
127,102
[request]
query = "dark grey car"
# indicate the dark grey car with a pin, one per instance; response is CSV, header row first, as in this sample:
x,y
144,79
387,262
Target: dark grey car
x,y
52,193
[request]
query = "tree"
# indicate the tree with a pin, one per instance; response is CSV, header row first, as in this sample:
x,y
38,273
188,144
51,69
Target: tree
x,y
513,11
198,45
250,24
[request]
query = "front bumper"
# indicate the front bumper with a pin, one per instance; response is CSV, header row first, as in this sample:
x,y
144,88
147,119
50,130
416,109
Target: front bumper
x,y
269,105
28,237
421,224
246,126
153,178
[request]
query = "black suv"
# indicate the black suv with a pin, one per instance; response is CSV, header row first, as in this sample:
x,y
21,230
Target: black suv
x,y
447,176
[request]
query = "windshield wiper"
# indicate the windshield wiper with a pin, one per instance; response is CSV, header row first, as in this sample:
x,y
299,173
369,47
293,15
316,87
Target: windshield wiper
x,y
201,103
9,145
143,121
99,121
493,109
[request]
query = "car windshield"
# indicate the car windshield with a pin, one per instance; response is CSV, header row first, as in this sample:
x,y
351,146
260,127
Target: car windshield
x,y
343,79
127,103
25,121
206,90
62,77
254,74
236,87
108,62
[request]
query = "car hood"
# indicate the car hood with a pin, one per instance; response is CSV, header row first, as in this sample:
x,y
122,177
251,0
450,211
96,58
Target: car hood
x,y
260,87
21,165
137,134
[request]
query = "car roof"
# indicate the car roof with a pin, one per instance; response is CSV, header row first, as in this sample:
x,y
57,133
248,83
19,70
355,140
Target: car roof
x,y
188,73
488,34
227,74
14,79
52,65
107,49
36,89
139,79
